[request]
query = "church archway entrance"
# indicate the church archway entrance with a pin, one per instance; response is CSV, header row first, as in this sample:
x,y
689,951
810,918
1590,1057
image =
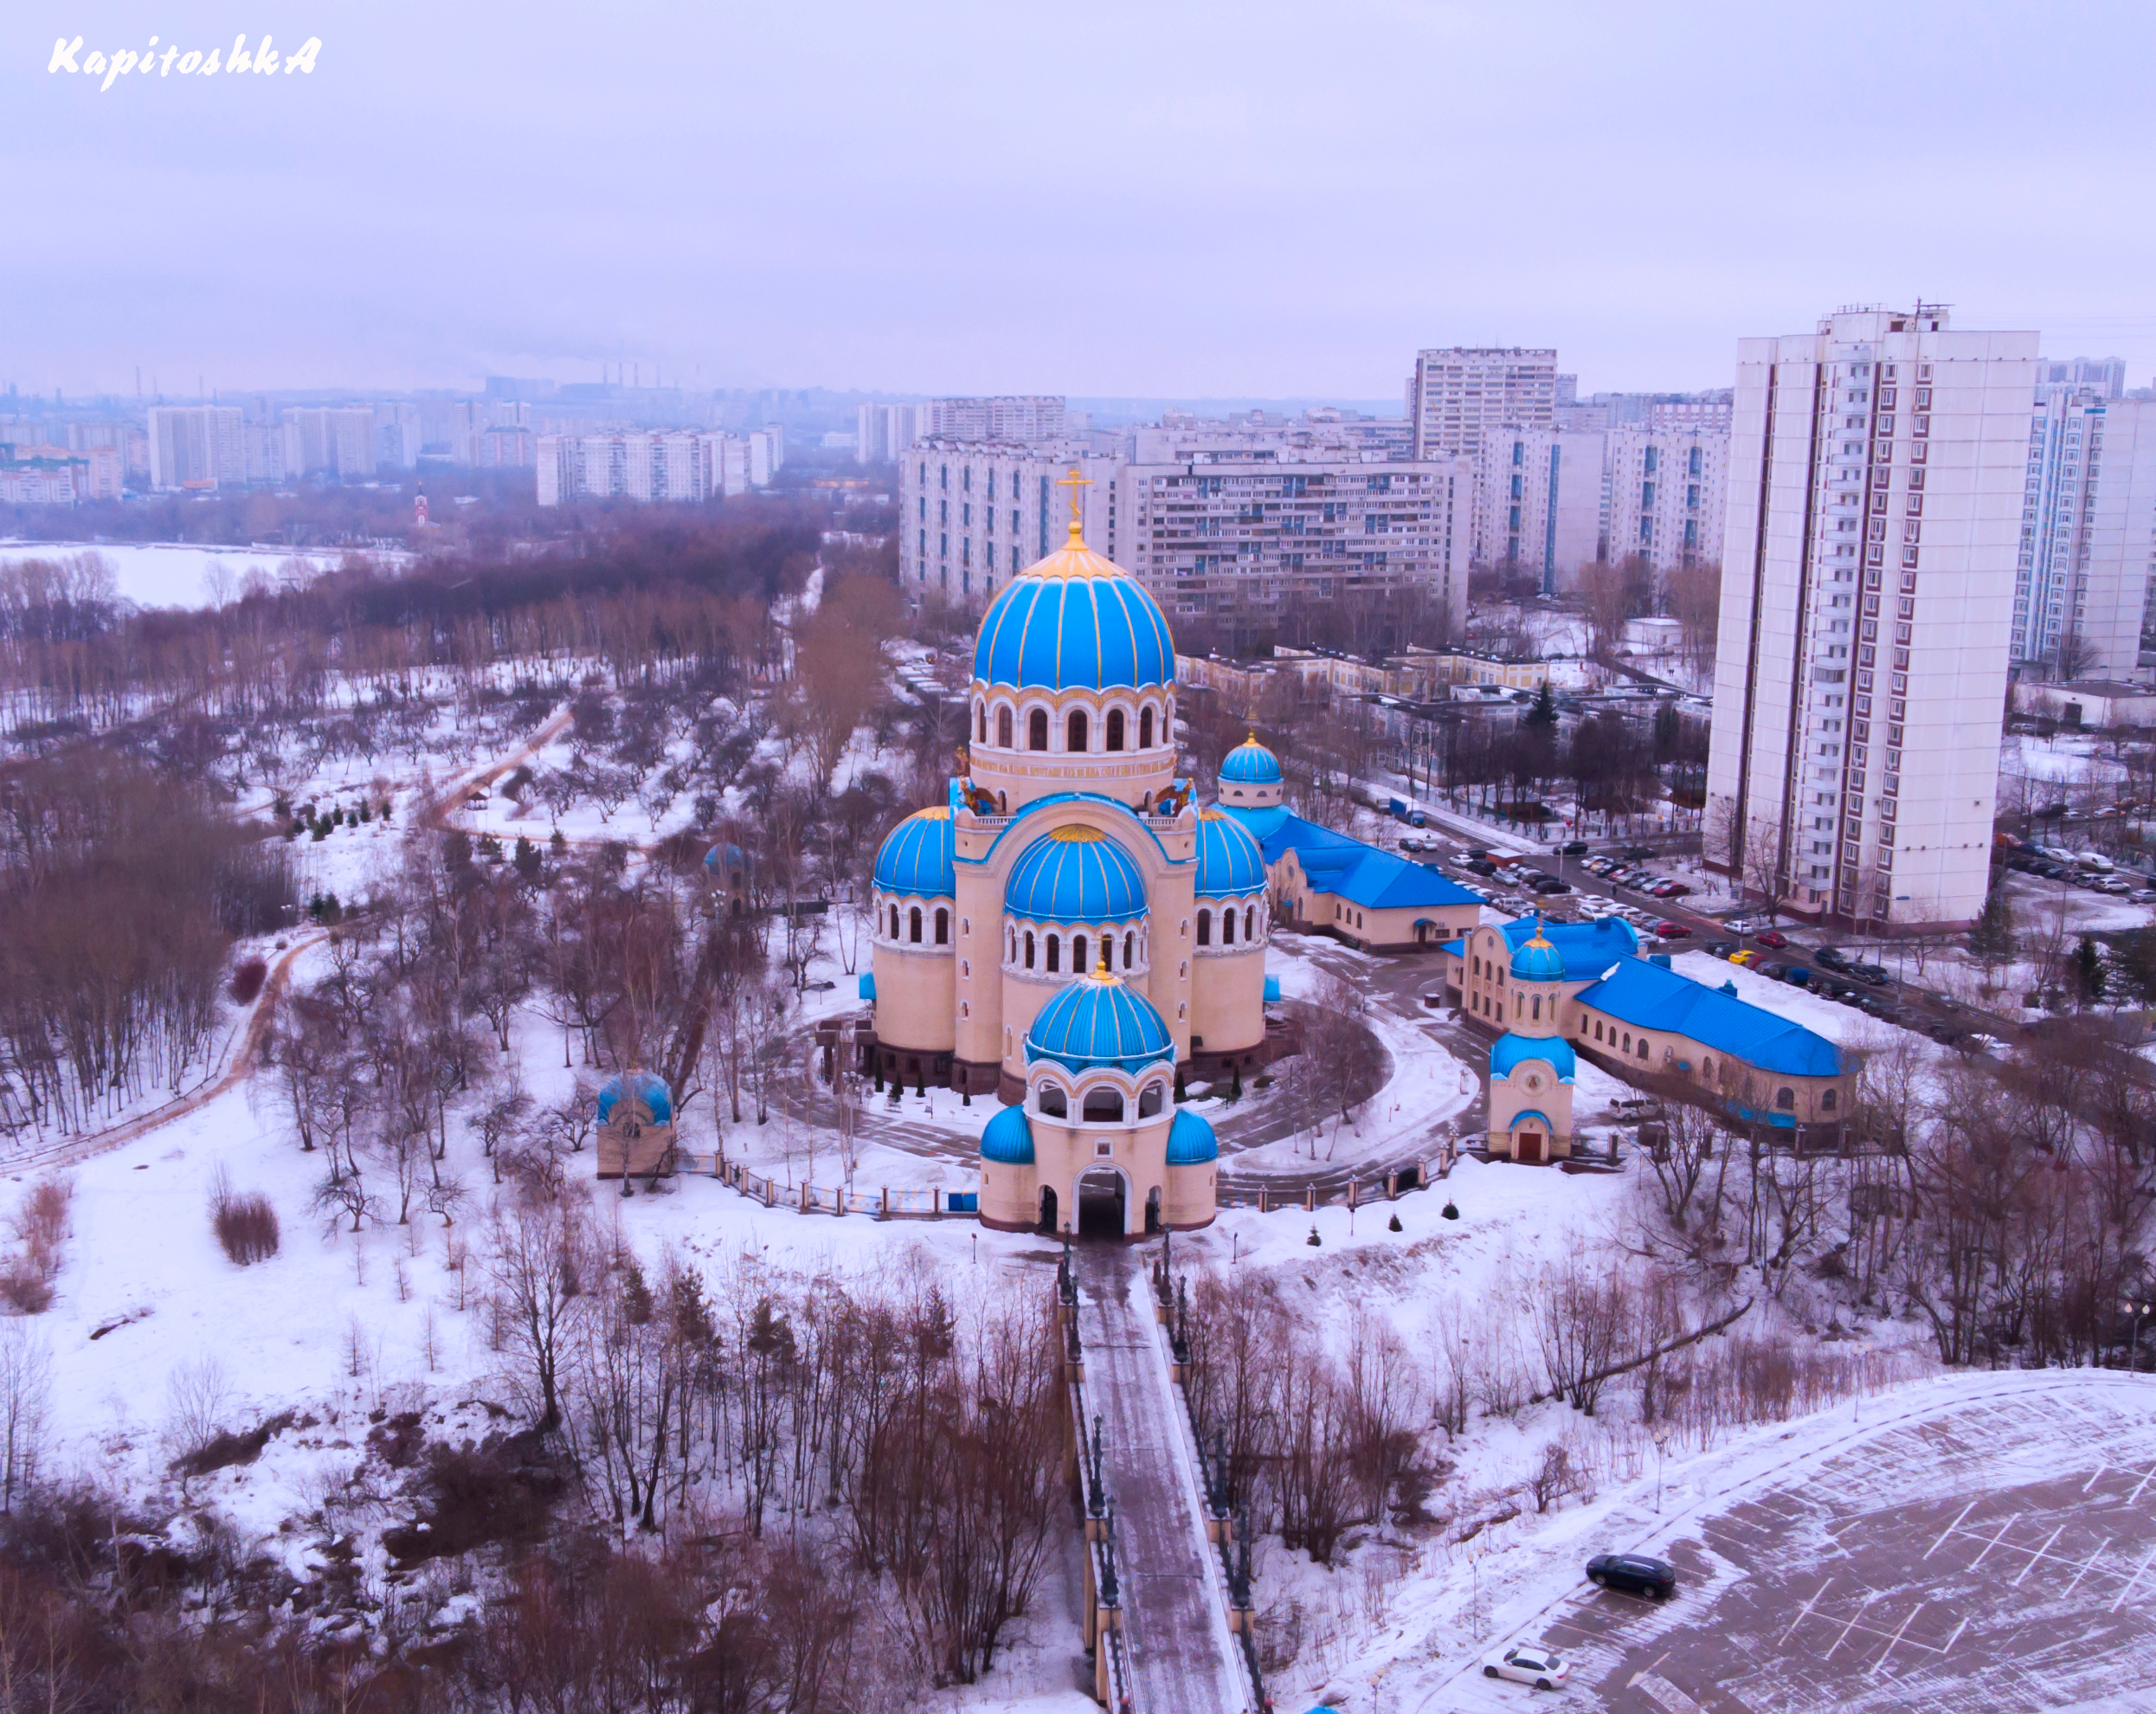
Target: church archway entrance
x,y
1102,1199
1527,1147
1048,1209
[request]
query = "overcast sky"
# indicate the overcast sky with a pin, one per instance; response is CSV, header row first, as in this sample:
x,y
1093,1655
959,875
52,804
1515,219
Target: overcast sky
x,y
1158,199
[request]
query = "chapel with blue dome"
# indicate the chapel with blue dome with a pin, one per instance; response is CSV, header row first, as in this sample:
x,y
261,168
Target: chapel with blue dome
x,y
634,1135
1066,931
1532,1066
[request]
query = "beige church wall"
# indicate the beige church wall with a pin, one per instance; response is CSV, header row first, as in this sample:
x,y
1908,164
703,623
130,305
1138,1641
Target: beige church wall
x,y
1010,1198
1228,1004
1190,1197
915,1003
1018,776
1063,1154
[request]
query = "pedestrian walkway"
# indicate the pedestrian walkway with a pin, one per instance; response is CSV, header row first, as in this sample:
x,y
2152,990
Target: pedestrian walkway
x,y
1184,1659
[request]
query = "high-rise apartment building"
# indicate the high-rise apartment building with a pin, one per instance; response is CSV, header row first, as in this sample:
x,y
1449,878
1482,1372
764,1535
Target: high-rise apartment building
x,y
677,464
1455,397
337,441
2104,378
883,432
196,445
1876,475
971,513
1020,420
2087,533
1538,503
1666,489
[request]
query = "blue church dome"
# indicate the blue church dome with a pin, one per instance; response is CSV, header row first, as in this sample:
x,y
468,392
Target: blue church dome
x,y
1074,621
1537,960
1510,1051
1008,1141
917,857
1230,865
1191,1141
1250,763
1075,874
722,862
1100,1020
646,1086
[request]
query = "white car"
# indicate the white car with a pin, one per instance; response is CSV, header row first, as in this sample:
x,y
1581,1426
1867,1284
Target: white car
x,y
1528,1664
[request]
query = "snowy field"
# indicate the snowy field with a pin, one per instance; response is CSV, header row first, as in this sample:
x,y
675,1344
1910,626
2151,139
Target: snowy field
x,y
186,574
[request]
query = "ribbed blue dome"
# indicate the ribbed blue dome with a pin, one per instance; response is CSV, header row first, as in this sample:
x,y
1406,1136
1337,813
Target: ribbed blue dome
x,y
646,1086
917,856
1191,1141
1537,960
1554,1051
1100,1020
1074,621
1230,865
723,860
1075,874
1008,1141
1250,763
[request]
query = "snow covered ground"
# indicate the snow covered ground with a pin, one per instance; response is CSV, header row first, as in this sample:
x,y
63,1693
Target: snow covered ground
x,y
187,573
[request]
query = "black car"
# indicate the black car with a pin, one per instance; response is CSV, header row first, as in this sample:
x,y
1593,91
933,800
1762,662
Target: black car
x,y
1637,853
1721,948
1575,848
1832,957
1771,970
1481,865
1874,973
1634,1574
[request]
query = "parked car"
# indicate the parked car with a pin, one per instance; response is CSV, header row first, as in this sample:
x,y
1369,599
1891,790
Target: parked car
x,y
1481,865
1798,975
1773,937
1672,931
1528,1664
1832,957
1573,848
1637,853
1679,889
1875,974
1549,887
1634,1574
1771,970
1721,948
1746,957
2093,860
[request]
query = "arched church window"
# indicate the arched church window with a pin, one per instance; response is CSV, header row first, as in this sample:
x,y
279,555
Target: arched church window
x,y
942,927
1826,1101
1130,941
1054,1101
1010,945
1149,1100
1205,928
1078,966
1227,928
1250,924
1103,1106
1785,1099
980,710
1115,729
1628,1041
1003,727
1037,729
913,925
1145,730
1055,952
1075,739
894,922
1029,949
1643,1046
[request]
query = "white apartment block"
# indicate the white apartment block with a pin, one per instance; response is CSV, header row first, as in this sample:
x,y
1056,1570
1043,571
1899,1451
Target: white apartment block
x,y
1667,492
2104,377
1713,415
1538,503
1877,469
1456,397
1018,420
2087,534
196,445
973,512
883,432
642,465
338,441
396,435
1246,539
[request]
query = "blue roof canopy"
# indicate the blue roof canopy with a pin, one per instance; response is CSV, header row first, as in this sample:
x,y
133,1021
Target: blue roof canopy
x,y
1335,863
1647,997
1586,949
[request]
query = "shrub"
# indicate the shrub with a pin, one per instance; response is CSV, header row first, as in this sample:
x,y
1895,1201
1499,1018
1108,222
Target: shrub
x,y
245,1223
247,979
41,1226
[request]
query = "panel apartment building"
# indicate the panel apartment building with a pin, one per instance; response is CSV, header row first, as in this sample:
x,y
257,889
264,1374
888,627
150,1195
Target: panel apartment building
x,y
1876,475
197,447
2087,533
1456,398
680,464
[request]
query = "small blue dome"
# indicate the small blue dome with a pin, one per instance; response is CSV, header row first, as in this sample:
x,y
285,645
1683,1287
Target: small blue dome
x,y
1100,1020
1074,621
1008,1141
1509,1052
723,861
643,1086
1250,763
1230,865
1537,960
1075,874
918,856
1191,1141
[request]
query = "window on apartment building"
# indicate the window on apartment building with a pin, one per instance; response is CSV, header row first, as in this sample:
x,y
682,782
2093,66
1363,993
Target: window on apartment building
x,y
1652,457
943,475
1692,462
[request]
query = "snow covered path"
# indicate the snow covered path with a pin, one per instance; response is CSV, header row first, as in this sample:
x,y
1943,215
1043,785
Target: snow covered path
x,y
1182,1653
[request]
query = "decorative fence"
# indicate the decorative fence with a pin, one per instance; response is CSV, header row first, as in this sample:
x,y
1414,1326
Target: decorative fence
x,y
882,1203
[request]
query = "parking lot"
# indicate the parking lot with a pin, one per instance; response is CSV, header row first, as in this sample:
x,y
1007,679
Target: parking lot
x,y
1999,1556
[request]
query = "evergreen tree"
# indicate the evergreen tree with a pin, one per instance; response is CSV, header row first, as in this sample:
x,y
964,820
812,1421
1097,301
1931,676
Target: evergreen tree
x,y
2088,972
1991,935
1543,713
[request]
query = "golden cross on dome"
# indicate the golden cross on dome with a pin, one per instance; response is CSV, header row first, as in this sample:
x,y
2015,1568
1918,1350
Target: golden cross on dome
x,y
1074,482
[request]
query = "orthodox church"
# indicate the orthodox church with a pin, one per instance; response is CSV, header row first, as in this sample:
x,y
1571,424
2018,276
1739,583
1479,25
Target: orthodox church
x,y
1068,930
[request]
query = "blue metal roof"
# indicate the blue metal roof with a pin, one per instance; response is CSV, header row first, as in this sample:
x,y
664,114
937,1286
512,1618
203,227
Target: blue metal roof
x,y
1345,867
1586,950
1008,1141
866,988
1647,997
1100,1020
1230,865
1263,824
917,856
1509,1051
1191,1141
1250,763
1531,1113
1061,632
722,859
1075,874
646,1086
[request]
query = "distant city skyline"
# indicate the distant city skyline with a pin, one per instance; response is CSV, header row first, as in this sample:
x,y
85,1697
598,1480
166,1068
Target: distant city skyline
x,y
1233,204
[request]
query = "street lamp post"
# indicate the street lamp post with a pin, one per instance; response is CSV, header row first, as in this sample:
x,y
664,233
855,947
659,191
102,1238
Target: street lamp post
x,y
2138,1311
1661,1439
